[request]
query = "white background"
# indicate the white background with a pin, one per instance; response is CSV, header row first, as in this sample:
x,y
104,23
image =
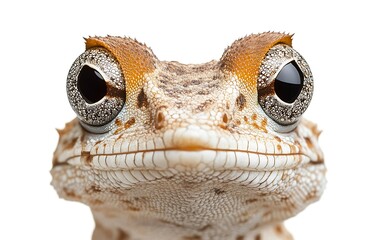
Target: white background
x,y
339,39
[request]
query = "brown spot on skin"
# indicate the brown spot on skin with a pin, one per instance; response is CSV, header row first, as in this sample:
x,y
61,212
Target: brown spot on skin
x,y
252,200
159,120
279,148
223,126
70,144
134,209
308,142
267,214
279,229
320,160
70,193
266,91
128,202
118,122
264,124
141,199
87,158
117,131
278,138
193,237
284,199
171,223
254,117
112,91
122,235
203,92
258,237
93,189
238,122
245,119
262,127
240,237
284,177
311,196
55,161
241,102
218,191
142,99
121,127
129,123
96,202
196,82
203,106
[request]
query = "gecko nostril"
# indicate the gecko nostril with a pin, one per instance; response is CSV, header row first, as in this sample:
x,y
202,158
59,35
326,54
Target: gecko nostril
x,y
159,120
225,118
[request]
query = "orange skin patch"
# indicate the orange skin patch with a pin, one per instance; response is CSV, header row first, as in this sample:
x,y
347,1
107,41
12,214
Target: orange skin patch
x,y
245,61
135,58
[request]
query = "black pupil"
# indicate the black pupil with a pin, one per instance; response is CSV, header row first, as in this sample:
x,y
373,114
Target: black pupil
x,y
289,82
91,85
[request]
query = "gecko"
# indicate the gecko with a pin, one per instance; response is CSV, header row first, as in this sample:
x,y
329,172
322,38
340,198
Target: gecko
x,y
170,151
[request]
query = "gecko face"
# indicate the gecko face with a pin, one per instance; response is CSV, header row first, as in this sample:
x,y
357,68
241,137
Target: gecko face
x,y
224,137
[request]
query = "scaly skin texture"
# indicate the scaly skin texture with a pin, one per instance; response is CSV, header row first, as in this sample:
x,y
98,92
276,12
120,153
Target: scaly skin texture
x,y
191,155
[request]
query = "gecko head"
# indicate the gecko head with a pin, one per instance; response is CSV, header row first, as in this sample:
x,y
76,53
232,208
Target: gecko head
x,y
185,129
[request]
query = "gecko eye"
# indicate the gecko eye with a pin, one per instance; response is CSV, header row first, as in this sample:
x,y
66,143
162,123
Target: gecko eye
x,y
91,85
285,85
288,82
96,88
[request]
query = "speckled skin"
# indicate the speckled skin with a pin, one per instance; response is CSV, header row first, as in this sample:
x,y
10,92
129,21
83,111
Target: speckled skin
x,y
192,155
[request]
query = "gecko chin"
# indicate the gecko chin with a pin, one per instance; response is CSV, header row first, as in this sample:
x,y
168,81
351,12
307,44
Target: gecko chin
x,y
194,197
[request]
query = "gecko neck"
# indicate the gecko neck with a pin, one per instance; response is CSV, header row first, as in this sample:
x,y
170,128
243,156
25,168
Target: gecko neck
x,y
186,211
114,226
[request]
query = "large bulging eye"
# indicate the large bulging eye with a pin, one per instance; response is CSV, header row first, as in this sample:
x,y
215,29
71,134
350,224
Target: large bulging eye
x,y
96,87
285,85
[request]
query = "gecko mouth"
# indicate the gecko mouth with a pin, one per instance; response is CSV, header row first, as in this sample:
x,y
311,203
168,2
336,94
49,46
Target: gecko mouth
x,y
258,170
199,159
193,148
